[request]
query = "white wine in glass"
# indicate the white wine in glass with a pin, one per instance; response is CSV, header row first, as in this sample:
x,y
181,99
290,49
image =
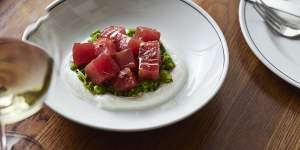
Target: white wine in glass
x,y
25,75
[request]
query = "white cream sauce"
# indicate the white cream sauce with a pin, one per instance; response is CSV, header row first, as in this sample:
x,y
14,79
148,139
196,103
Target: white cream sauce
x,y
114,103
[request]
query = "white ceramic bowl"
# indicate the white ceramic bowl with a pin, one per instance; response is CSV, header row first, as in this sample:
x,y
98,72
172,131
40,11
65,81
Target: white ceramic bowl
x,y
187,31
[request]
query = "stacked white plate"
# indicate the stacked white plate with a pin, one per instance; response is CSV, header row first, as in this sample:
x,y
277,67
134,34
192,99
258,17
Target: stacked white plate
x,y
279,54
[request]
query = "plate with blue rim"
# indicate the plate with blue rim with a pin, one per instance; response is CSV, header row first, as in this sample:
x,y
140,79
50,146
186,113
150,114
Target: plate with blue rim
x,y
279,54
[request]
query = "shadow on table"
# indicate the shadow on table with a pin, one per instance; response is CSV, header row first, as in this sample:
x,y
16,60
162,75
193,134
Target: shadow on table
x,y
187,134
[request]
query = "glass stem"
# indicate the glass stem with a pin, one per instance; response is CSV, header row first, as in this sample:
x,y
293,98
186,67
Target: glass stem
x,y
3,137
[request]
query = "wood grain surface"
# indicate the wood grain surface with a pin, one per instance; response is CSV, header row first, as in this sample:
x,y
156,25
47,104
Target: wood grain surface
x,y
254,110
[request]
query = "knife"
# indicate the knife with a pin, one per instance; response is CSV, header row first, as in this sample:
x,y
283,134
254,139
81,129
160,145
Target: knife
x,y
281,5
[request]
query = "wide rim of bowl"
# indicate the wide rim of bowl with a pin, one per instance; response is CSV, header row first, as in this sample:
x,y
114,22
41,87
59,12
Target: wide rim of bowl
x,y
33,27
258,52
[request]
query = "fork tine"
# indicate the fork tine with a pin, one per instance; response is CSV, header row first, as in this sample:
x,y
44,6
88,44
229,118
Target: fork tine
x,y
259,10
264,13
276,23
271,13
266,16
273,24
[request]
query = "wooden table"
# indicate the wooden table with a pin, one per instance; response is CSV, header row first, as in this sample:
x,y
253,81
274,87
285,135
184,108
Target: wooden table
x,y
254,109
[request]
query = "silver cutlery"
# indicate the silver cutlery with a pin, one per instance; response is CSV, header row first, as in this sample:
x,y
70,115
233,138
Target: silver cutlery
x,y
280,5
276,22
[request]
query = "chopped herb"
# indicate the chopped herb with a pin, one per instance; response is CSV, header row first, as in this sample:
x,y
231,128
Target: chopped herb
x,y
81,76
89,85
99,90
73,67
94,36
167,62
131,32
162,48
165,76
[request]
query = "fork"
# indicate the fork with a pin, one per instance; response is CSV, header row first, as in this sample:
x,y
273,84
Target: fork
x,y
283,6
276,22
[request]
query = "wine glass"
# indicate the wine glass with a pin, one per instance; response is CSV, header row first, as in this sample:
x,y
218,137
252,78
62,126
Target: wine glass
x,y
26,72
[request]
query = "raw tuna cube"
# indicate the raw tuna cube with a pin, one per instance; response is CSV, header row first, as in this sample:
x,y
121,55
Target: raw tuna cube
x,y
102,69
122,42
107,32
149,59
93,73
105,45
83,53
118,36
134,45
147,34
149,71
125,58
125,81
125,42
